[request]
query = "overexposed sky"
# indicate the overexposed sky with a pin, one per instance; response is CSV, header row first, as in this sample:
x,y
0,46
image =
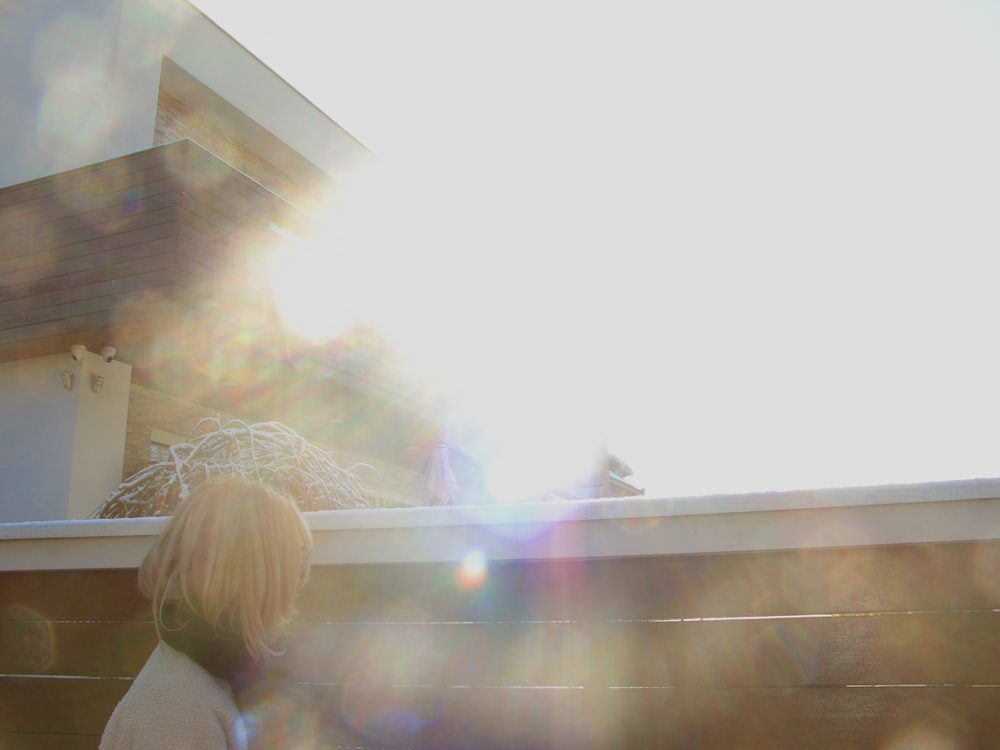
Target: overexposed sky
x,y
755,241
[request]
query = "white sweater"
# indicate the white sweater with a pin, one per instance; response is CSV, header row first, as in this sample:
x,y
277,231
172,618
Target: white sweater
x,y
174,704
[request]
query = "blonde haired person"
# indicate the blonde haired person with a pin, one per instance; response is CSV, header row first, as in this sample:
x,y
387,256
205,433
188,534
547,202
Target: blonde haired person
x,y
222,577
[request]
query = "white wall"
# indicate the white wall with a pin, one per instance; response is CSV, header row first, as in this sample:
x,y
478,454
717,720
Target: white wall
x,y
36,438
79,81
61,451
98,434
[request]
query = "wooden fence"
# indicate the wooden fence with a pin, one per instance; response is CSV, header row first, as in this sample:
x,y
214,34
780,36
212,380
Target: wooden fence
x,y
851,619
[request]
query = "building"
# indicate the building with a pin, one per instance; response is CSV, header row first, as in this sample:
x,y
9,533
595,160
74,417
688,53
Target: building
x,y
152,171
150,167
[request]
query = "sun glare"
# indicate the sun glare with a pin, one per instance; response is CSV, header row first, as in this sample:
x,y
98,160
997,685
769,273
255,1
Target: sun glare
x,y
311,302
484,332
350,267
775,273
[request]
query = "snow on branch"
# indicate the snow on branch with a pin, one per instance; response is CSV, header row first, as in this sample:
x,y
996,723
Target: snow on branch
x,y
268,452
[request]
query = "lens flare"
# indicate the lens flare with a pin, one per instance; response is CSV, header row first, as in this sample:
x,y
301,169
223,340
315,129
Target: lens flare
x,y
472,570
33,647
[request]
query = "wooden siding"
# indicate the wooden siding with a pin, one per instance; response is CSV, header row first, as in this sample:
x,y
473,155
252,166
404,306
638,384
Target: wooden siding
x,y
864,647
111,252
165,254
88,248
148,410
186,108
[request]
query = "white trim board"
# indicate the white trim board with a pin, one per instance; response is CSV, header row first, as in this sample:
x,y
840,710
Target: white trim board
x,y
897,514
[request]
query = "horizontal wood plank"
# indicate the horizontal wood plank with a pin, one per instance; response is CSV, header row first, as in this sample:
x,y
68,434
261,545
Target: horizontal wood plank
x,y
919,648
91,239
38,741
72,595
115,212
217,254
206,224
107,176
198,264
155,305
91,269
73,291
369,716
205,171
42,264
806,719
154,179
224,208
81,649
107,305
378,716
93,188
931,577
58,705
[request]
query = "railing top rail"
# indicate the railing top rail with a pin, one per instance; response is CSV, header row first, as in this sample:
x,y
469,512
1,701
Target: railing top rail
x,y
856,516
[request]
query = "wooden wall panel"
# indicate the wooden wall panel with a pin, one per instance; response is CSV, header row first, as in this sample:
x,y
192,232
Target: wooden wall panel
x,y
85,295
206,171
105,266
59,224
816,649
110,176
210,223
64,194
95,308
186,108
90,248
156,225
152,307
225,239
99,248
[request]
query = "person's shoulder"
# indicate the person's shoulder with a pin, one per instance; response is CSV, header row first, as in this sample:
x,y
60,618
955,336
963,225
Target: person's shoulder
x,y
177,677
172,685
175,698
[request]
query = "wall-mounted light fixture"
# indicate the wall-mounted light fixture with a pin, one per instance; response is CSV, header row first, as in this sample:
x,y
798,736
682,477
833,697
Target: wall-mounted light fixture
x,y
96,383
67,379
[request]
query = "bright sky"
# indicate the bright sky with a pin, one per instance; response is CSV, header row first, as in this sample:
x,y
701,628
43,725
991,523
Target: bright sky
x,y
753,240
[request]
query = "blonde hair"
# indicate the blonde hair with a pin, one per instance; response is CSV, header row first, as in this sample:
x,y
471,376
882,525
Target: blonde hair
x,y
235,554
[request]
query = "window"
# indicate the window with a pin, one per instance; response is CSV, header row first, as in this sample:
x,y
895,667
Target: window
x,y
160,442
